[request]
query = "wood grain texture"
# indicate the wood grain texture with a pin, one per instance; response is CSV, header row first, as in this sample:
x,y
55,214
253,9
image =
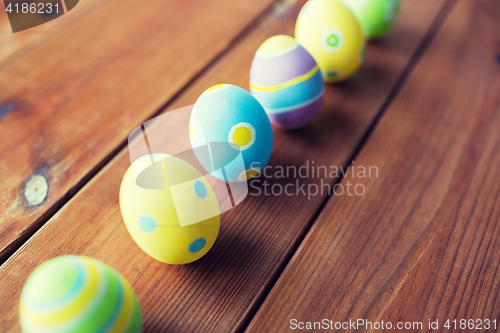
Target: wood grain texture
x,y
69,106
423,242
15,46
221,292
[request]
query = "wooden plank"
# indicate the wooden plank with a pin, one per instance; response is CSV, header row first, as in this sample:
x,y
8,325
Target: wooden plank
x,y
221,292
423,242
15,46
69,106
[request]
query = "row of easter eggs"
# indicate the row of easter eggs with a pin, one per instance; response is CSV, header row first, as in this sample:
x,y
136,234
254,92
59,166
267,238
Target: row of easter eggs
x,y
287,86
330,44
81,294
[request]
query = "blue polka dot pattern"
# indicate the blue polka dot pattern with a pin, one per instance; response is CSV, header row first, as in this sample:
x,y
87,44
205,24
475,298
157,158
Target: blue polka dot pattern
x,y
147,224
197,245
200,189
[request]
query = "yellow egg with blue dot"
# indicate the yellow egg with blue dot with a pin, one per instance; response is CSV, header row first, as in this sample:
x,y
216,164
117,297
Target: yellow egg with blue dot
x,y
286,80
78,294
231,123
176,218
333,36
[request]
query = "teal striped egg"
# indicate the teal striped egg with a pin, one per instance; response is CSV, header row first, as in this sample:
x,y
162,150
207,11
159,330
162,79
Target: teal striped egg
x,y
78,294
286,80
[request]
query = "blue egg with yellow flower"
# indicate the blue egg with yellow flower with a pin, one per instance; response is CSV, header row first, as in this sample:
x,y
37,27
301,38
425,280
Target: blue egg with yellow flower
x,y
235,130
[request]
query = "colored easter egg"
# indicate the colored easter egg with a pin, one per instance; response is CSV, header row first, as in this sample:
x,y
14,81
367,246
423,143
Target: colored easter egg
x,y
286,80
377,17
78,294
230,121
333,36
176,223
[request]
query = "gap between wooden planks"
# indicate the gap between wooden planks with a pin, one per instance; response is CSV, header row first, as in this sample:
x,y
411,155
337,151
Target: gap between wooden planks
x,y
423,243
222,291
73,101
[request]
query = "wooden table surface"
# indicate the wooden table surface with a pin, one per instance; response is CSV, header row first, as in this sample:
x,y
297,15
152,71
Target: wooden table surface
x,y
420,244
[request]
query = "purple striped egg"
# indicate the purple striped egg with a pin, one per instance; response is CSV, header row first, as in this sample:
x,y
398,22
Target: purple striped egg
x,y
286,80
